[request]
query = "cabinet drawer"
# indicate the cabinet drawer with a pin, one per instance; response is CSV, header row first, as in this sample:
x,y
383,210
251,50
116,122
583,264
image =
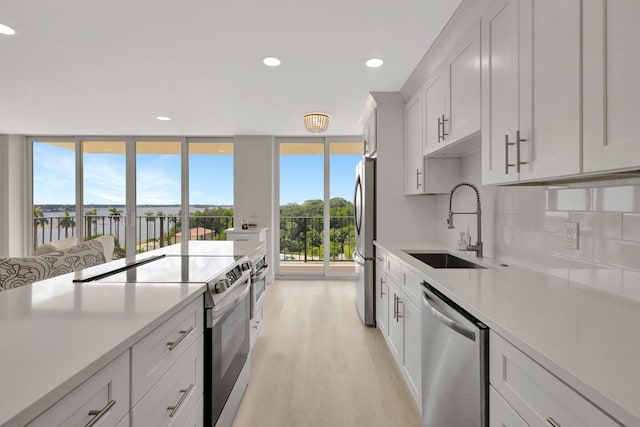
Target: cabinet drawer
x,y
538,396
106,393
501,414
394,269
152,356
196,419
413,286
172,399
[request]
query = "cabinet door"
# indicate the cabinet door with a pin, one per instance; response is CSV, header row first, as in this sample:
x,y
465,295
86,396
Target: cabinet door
x,y
434,112
611,90
501,414
500,97
395,337
411,318
550,92
382,299
463,100
414,162
370,144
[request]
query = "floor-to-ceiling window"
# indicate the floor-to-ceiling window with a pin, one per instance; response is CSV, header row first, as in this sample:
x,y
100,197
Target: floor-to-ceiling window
x,y
54,190
210,188
135,189
316,229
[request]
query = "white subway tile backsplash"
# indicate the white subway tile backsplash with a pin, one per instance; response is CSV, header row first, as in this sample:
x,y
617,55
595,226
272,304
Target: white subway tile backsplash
x,y
622,198
554,221
598,224
617,253
569,199
631,285
631,227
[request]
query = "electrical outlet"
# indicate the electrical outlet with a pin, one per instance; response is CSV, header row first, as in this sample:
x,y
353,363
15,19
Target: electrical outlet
x,y
571,235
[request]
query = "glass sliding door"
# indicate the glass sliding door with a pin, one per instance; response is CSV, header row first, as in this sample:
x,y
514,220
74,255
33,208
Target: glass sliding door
x,y
158,194
301,198
104,191
54,191
343,158
210,189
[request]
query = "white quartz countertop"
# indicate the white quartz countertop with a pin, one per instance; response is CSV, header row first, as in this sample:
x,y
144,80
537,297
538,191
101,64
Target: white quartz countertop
x,y
587,338
56,333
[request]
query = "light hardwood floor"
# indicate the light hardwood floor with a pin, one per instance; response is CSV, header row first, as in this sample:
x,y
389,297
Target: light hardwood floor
x,y
316,364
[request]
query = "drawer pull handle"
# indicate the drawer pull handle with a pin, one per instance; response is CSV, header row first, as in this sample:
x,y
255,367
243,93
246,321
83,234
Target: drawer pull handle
x,y
175,407
553,422
183,334
99,413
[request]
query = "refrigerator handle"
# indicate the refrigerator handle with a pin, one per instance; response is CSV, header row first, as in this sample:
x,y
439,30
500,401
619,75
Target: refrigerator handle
x,y
357,213
359,259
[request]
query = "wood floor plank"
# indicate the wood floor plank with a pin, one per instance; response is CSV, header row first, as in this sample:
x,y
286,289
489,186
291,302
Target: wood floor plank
x,y
315,364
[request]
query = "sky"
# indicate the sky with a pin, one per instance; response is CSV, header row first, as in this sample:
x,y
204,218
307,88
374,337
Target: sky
x,y
158,178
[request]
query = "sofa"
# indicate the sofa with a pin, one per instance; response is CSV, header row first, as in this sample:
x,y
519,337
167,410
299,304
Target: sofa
x,y
19,271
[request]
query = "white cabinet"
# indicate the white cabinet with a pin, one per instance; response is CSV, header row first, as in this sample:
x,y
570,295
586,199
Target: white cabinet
x,y
369,134
611,90
412,339
535,394
382,296
171,401
452,96
103,399
414,163
253,234
152,356
531,103
500,413
395,330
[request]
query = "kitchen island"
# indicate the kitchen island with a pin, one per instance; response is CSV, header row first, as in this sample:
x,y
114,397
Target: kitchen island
x,y
56,334
586,338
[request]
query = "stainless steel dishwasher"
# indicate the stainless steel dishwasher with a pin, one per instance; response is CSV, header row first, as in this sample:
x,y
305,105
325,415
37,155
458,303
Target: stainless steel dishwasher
x,y
455,381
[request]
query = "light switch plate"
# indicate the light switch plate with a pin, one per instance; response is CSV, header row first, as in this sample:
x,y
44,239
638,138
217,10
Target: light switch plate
x,y
571,235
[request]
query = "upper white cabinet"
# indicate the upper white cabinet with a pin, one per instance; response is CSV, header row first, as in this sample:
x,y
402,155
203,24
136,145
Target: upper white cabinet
x,y
370,143
414,164
424,175
611,89
435,107
531,101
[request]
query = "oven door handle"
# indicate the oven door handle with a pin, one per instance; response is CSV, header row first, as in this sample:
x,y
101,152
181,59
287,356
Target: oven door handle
x,y
215,314
261,273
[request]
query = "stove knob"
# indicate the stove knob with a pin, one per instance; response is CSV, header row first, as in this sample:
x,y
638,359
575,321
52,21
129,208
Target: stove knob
x,y
246,266
220,286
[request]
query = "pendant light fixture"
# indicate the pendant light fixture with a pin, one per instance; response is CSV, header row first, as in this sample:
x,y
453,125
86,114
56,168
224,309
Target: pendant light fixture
x,y
316,122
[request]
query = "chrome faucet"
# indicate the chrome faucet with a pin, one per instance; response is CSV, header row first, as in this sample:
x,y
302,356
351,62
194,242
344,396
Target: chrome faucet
x,y
477,248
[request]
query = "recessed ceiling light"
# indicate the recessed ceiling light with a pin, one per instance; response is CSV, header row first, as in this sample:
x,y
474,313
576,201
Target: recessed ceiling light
x,y
7,30
271,61
163,118
374,62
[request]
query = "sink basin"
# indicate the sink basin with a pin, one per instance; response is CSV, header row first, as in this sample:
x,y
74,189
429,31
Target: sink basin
x,y
443,260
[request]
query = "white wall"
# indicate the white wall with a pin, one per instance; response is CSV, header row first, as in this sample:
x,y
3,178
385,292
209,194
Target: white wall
x,y
253,184
13,195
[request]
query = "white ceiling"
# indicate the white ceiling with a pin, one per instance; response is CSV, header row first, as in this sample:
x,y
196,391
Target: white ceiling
x,y
110,67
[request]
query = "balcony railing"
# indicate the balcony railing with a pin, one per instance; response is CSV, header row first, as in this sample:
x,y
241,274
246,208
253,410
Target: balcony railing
x,y
302,238
152,232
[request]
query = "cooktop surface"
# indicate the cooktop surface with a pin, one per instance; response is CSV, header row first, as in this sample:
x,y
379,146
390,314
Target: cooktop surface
x,y
171,269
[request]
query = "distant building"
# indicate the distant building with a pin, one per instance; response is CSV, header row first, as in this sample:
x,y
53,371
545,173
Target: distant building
x,y
196,233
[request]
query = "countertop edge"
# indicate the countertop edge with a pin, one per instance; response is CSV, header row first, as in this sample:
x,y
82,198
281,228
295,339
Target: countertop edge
x,y
615,410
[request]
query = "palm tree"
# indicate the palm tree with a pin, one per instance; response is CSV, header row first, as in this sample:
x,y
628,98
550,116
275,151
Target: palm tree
x,y
91,216
39,219
65,222
115,214
160,216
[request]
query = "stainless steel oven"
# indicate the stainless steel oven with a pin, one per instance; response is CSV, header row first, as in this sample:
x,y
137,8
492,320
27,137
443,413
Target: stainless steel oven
x,y
227,344
259,270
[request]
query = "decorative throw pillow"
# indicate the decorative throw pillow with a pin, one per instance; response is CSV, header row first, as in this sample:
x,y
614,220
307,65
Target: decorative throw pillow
x,y
16,272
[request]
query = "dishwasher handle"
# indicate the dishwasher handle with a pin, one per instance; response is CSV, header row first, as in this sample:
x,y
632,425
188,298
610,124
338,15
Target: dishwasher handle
x,y
446,320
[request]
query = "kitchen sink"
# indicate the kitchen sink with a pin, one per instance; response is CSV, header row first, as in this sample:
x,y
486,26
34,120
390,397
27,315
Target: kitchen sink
x,y
443,260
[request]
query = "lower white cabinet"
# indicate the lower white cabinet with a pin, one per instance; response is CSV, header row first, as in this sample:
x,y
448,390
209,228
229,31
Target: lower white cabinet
x,y
382,296
403,328
102,399
171,401
501,414
535,394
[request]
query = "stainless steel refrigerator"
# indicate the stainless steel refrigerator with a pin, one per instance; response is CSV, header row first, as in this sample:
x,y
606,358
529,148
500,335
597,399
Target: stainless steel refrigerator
x,y
365,223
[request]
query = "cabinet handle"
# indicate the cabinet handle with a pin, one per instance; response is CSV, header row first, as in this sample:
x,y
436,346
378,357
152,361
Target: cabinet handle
x,y
418,173
439,137
99,413
507,144
398,316
395,300
553,422
175,407
382,282
443,122
183,334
